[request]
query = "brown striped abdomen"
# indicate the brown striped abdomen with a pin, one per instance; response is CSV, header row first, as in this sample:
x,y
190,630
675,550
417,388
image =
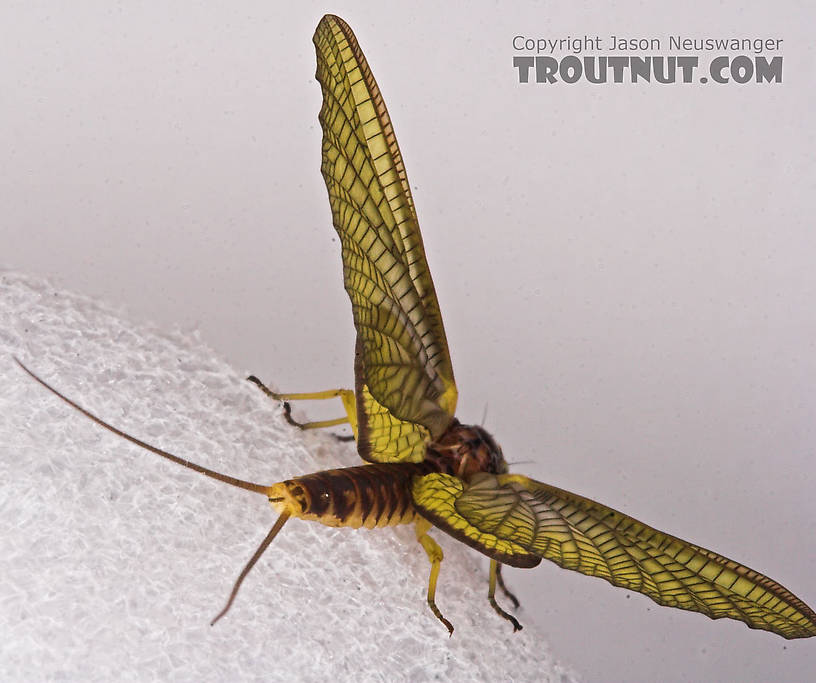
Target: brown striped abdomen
x,y
374,495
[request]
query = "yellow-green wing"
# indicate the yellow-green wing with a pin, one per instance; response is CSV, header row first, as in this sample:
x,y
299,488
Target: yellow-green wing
x,y
405,389
511,517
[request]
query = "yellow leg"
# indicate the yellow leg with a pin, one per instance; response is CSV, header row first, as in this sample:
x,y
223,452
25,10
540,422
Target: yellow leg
x,y
318,424
311,396
495,573
344,394
435,556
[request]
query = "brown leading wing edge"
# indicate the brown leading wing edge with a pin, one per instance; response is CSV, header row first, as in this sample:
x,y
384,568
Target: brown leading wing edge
x,y
513,518
405,390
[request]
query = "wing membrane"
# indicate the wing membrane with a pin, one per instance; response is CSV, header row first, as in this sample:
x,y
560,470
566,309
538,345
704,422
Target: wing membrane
x,y
437,496
531,518
403,370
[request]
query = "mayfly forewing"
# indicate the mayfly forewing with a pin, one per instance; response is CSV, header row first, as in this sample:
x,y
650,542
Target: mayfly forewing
x,y
516,520
406,394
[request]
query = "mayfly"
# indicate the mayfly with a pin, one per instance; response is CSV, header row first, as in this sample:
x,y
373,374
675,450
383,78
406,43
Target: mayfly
x,y
424,466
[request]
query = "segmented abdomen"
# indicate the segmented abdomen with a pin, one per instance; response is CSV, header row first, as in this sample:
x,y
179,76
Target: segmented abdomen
x,y
374,495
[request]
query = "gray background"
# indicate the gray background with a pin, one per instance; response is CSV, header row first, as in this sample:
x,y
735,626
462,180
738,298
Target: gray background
x,y
625,271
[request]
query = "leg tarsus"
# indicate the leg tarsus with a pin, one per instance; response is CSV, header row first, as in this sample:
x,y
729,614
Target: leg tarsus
x,y
287,414
516,625
491,596
435,555
261,386
507,593
432,595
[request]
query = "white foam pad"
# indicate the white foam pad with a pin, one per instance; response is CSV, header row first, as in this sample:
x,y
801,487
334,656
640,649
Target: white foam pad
x,y
114,561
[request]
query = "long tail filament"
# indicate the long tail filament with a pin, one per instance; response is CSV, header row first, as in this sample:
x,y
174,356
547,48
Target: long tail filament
x,y
233,481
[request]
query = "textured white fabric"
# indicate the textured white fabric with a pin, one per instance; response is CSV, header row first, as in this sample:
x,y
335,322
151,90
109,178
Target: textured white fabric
x,y
113,561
